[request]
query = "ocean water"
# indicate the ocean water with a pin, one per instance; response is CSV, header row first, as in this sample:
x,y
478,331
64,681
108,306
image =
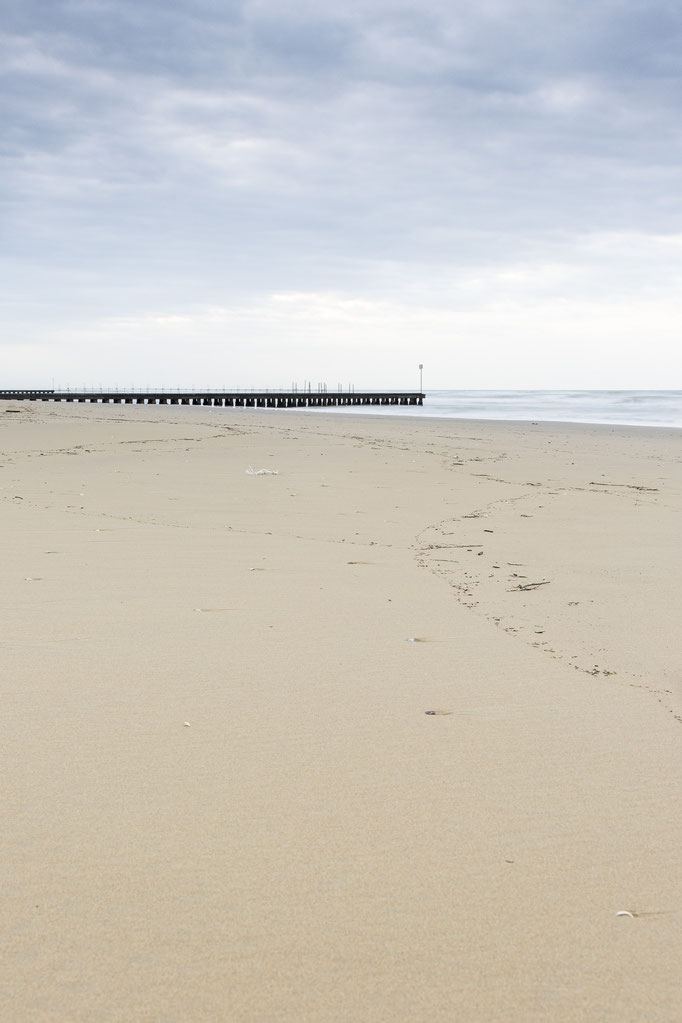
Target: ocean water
x,y
615,408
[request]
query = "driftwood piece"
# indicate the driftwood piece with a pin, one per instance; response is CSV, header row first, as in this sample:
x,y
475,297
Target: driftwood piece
x,y
629,486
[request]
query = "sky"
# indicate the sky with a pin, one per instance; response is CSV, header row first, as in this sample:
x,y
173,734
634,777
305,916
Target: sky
x,y
255,193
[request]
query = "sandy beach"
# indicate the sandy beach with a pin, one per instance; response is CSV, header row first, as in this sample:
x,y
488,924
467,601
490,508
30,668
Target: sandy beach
x,y
391,732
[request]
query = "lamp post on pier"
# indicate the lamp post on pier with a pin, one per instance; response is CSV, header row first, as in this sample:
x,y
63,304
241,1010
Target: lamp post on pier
x,y
421,369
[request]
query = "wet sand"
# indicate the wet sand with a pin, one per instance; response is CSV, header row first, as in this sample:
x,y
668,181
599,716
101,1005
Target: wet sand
x,y
225,796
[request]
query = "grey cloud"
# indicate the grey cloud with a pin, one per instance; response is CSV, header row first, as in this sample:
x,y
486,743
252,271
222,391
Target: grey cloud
x,y
251,142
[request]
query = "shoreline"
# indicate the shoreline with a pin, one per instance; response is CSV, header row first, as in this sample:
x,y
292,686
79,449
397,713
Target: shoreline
x,y
238,791
420,414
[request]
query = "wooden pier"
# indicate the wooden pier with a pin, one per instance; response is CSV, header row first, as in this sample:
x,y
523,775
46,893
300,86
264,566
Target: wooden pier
x,y
223,399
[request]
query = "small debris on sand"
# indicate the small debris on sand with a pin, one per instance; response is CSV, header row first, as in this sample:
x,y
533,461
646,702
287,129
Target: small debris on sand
x,y
529,586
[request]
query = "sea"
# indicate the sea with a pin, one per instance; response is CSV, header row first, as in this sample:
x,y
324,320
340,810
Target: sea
x,y
612,408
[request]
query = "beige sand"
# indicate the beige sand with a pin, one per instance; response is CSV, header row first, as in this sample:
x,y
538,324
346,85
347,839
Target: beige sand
x,y
314,845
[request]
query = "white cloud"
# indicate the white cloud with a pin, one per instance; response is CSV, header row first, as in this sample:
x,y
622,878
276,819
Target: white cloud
x,y
525,325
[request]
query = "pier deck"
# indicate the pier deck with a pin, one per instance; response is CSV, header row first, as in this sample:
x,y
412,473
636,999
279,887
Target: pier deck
x,y
229,399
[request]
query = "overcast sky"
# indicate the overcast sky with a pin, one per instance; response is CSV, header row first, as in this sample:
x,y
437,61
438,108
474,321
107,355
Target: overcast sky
x,y
246,193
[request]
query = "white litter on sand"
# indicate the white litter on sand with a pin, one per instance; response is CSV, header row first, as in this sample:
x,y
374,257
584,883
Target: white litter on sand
x,y
261,472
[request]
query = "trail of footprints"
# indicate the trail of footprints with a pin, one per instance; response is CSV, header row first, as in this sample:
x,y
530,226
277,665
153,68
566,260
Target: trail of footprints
x,y
440,549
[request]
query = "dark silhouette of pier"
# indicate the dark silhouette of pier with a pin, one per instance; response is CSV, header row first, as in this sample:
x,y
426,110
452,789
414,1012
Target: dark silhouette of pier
x,y
223,399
